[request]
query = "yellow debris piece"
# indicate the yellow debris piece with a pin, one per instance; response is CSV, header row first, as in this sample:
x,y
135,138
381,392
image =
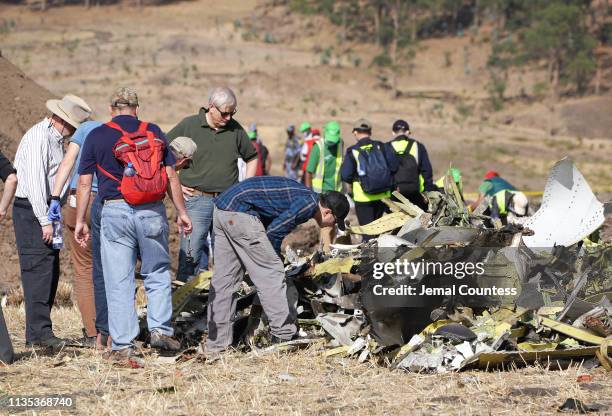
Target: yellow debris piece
x,y
334,265
182,294
336,351
532,346
570,331
385,224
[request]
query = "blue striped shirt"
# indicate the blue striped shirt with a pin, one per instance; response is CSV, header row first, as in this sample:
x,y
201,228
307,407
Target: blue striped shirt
x,y
280,203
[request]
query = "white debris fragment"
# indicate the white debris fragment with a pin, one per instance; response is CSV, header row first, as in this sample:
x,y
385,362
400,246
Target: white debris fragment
x,y
569,212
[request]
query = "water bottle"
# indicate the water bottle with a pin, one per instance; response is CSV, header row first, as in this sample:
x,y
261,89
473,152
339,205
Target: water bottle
x,y
189,260
58,238
129,170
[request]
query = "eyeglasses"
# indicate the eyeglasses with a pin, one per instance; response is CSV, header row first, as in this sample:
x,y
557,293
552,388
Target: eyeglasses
x,y
226,113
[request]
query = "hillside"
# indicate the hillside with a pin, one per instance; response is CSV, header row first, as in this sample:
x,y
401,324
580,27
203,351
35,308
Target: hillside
x,y
286,68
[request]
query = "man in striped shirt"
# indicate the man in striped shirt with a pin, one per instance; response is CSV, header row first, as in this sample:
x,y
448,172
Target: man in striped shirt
x,y
37,159
250,221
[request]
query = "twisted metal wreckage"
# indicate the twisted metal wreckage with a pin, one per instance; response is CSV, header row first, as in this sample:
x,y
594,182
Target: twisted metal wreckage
x,y
560,310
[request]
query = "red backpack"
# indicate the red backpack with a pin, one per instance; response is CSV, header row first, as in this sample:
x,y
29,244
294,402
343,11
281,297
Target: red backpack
x,y
146,154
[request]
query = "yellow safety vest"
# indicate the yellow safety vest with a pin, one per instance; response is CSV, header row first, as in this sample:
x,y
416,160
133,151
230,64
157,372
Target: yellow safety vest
x,y
359,195
317,180
400,148
501,197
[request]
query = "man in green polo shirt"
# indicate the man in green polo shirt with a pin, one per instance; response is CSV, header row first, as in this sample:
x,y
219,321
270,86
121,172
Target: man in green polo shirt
x,y
221,140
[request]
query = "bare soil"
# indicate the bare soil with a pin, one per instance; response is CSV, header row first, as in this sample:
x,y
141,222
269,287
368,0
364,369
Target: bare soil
x,y
301,383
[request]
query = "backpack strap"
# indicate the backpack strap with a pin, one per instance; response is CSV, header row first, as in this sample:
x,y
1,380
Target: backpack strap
x,y
116,126
106,173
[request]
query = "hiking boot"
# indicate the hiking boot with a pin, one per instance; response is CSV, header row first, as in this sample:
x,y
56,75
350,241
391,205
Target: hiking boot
x,y
84,341
53,342
276,340
164,342
125,357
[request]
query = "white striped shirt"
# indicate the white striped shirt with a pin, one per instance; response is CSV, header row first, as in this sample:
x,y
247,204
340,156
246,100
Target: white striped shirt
x,y
38,157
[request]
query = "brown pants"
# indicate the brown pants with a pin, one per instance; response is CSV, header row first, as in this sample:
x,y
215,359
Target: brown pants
x,y
83,270
327,235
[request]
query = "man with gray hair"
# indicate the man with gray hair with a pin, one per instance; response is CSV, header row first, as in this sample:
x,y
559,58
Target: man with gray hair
x,y
220,141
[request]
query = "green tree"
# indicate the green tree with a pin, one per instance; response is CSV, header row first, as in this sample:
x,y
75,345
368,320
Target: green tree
x,y
559,36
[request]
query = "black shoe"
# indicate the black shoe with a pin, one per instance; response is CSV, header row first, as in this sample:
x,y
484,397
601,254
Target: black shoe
x,y
276,340
84,341
164,342
53,342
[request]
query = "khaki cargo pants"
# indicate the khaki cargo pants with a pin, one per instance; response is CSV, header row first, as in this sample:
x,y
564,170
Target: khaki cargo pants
x,y
241,243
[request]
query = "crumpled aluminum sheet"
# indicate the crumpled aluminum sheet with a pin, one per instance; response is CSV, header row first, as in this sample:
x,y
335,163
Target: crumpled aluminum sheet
x,y
569,212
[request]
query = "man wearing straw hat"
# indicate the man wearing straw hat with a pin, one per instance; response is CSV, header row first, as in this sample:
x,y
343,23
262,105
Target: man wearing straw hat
x,y
37,160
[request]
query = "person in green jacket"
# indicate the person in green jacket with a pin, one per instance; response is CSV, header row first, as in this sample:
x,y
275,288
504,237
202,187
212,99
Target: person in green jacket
x,y
323,171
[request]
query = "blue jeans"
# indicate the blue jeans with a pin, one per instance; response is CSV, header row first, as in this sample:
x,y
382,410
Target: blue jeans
x,y
127,231
200,209
98,276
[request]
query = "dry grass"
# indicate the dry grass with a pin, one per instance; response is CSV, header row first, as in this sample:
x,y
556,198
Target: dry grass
x,y
298,383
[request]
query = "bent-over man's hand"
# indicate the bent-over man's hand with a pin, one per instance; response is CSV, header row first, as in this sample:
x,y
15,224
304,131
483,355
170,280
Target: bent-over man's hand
x,y
81,234
184,223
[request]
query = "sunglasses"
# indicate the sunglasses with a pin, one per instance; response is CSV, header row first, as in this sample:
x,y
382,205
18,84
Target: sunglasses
x,y
226,113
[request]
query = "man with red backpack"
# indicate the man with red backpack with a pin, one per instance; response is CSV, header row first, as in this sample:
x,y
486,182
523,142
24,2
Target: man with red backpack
x,y
135,169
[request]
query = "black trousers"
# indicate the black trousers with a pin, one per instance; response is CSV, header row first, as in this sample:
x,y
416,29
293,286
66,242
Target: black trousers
x,y
368,212
6,348
40,271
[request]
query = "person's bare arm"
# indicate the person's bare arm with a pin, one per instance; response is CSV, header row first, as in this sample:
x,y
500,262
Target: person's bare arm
x,y
308,179
10,186
175,192
475,204
81,231
65,168
268,164
251,168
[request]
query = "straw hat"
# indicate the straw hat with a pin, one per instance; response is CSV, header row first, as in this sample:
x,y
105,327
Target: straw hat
x,y
71,109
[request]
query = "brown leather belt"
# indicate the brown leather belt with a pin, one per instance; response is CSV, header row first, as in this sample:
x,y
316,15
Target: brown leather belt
x,y
204,193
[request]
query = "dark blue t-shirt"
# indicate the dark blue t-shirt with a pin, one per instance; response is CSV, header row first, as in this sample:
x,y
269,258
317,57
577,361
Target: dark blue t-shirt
x,y
98,150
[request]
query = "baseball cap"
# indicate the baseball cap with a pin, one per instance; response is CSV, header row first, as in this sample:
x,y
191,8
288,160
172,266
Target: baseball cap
x,y
339,206
124,96
304,126
331,132
252,134
184,146
400,125
362,125
491,174
290,128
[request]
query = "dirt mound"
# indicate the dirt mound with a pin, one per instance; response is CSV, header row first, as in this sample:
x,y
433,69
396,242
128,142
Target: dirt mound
x,y
22,105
